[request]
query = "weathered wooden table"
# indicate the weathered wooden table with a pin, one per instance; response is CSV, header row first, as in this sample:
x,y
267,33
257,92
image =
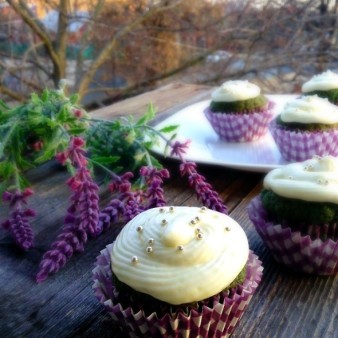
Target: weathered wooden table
x,y
286,304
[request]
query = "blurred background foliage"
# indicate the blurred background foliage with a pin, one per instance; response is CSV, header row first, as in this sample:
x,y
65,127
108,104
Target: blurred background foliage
x,y
109,50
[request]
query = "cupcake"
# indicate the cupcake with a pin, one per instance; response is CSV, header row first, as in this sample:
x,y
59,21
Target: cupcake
x,y
177,272
324,85
307,126
238,112
296,215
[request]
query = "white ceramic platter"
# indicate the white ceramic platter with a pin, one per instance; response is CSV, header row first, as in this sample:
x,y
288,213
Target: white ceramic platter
x,y
207,148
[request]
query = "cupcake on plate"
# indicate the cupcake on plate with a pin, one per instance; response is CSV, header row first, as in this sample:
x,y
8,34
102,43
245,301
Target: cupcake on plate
x,y
238,112
177,271
324,85
307,126
296,215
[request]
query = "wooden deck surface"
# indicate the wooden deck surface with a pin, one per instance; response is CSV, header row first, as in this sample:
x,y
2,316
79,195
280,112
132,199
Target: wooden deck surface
x,y
285,305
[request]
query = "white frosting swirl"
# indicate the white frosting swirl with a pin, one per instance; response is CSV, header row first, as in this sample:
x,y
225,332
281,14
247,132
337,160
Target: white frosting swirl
x,y
237,90
180,254
324,81
314,180
310,109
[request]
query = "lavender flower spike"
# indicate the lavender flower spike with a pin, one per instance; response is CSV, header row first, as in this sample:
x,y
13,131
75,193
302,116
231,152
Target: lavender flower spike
x,y
204,190
17,223
82,218
154,179
111,214
70,241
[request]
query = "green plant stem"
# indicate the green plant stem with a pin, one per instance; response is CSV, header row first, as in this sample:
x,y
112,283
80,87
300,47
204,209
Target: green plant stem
x,y
7,137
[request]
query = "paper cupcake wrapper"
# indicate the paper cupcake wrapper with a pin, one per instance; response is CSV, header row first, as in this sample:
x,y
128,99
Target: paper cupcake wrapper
x,y
233,127
218,321
292,249
300,146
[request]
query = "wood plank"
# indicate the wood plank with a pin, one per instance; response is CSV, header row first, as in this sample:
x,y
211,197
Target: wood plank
x,y
175,95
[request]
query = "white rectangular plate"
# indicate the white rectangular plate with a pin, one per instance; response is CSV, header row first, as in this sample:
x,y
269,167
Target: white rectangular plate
x,y
206,147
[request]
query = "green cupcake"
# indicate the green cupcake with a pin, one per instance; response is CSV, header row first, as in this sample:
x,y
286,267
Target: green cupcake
x,y
324,85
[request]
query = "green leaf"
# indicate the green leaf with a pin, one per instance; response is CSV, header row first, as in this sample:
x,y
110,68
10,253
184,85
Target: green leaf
x,y
105,160
45,95
148,116
155,162
76,130
35,99
4,105
46,156
74,99
168,129
6,170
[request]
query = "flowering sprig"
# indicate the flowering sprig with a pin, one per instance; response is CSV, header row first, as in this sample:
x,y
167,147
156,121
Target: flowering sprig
x,y
154,180
204,191
18,222
130,201
82,219
53,126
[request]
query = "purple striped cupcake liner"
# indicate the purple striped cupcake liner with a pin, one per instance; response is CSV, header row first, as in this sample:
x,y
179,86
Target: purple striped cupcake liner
x,y
247,127
297,146
291,248
218,321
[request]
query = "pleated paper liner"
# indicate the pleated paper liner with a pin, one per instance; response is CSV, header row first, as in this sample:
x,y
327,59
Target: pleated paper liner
x,y
219,320
298,146
299,252
244,127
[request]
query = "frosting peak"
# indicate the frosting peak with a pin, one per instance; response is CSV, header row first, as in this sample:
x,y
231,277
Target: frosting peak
x,y
314,180
237,90
179,254
324,81
310,109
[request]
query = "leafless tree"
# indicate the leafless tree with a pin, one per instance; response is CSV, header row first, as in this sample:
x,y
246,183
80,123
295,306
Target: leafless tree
x,y
145,43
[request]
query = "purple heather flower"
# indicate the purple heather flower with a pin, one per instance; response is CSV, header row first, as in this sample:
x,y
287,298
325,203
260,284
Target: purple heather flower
x,y
17,223
204,190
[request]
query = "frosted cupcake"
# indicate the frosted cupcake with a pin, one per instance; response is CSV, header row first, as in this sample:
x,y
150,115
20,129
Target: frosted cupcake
x,y
324,85
307,126
177,271
296,215
238,112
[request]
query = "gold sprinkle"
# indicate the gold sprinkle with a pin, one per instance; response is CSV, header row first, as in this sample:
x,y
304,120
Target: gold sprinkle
x,y
197,219
192,222
171,209
161,210
180,247
227,228
198,230
139,228
199,235
203,209
164,222
134,259
151,241
149,249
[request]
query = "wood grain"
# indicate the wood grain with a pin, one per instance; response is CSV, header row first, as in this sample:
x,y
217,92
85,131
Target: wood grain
x,y
286,304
